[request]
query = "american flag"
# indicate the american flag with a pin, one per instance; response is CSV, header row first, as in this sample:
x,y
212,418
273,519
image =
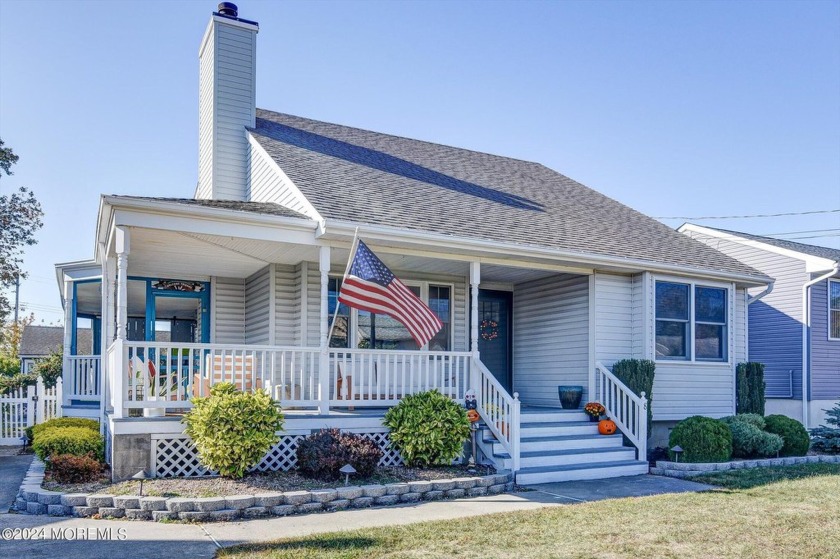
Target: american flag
x,y
370,286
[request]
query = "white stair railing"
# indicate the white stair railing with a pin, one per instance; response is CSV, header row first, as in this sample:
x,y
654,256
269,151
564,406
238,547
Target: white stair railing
x,y
628,411
499,410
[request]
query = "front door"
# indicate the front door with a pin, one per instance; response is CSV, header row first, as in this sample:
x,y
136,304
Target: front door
x,y
495,334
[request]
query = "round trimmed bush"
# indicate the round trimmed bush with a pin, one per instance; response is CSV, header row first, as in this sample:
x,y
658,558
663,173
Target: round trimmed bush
x,y
67,468
748,441
702,439
32,432
752,418
322,454
428,428
78,441
232,430
795,436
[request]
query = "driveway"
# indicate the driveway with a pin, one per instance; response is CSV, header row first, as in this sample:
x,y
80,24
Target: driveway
x,y
12,471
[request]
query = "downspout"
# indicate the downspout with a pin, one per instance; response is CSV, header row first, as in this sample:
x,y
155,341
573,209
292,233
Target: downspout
x,y
806,324
761,295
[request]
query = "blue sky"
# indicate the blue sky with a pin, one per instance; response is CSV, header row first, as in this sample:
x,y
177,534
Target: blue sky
x,y
674,108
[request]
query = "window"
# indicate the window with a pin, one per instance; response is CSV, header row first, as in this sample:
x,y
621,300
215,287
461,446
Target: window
x,y
365,330
691,322
834,309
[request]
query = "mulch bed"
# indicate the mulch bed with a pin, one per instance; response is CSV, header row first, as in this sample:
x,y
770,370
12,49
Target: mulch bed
x,y
260,482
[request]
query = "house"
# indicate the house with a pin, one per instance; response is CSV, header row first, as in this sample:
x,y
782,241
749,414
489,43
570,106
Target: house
x,y
795,327
37,342
538,280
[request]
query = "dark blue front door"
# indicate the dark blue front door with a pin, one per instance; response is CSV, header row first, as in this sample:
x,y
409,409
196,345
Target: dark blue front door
x,y
494,333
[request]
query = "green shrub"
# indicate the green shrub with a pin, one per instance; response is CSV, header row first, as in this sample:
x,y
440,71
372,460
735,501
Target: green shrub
x,y
78,441
637,375
9,384
33,431
428,428
748,441
702,439
232,430
49,368
795,436
827,439
322,454
752,418
749,388
68,468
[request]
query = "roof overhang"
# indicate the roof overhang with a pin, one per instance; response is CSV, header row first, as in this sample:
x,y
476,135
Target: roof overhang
x,y
813,264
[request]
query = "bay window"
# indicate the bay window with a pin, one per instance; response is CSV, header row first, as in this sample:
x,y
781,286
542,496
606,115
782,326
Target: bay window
x,y
691,322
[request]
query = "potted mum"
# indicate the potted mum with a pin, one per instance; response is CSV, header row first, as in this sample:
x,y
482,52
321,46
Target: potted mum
x,y
594,410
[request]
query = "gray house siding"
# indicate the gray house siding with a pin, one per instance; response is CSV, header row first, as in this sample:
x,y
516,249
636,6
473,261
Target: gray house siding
x,y
825,353
257,307
775,322
287,313
551,337
228,310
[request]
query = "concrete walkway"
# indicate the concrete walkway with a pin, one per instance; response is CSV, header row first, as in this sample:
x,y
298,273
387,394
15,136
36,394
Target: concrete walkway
x,y
12,471
79,538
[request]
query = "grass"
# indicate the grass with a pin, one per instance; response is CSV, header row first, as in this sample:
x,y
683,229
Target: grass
x,y
789,518
746,479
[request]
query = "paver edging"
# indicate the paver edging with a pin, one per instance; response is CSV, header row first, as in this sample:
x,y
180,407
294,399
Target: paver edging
x,y
32,499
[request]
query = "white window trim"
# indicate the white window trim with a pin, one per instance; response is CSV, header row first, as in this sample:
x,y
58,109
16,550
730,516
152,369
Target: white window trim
x,y
693,283
828,304
424,296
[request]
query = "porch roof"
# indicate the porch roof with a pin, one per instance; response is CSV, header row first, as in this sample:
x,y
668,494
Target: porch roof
x,y
367,177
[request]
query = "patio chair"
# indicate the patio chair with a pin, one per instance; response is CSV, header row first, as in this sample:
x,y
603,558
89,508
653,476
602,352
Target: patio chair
x,y
238,369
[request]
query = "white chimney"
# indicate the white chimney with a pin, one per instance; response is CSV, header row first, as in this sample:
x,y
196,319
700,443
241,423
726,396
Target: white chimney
x,y
226,103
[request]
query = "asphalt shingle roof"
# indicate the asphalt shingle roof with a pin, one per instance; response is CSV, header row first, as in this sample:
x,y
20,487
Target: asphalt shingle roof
x,y
233,205
43,340
811,250
373,178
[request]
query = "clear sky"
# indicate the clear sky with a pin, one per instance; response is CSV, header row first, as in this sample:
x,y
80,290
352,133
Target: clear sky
x,y
675,108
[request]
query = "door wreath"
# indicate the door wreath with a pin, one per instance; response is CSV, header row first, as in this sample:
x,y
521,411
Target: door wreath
x,y
489,329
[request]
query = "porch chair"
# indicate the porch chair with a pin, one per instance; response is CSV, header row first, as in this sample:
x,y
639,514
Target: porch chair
x,y
238,369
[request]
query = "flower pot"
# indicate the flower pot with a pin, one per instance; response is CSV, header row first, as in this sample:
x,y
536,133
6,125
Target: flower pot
x,y
570,396
594,418
154,412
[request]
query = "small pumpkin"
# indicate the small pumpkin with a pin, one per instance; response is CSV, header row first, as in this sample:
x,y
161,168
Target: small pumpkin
x,y
606,427
473,416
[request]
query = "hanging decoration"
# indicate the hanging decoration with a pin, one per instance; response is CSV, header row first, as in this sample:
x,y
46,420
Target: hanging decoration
x,y
489,329
179,285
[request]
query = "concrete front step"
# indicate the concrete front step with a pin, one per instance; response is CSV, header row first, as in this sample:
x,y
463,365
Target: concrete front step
x,y
561,442
556,428
570,457
592,470
550,415
86,411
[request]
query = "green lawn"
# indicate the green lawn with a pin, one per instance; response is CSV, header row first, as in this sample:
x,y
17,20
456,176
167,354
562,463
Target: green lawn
x,y
745,479
786,519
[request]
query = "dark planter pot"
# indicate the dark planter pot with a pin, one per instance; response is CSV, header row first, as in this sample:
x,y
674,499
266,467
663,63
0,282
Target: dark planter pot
x,y
594,418
570,396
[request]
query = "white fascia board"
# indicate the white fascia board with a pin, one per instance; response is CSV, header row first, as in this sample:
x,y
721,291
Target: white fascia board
x,y
812,263
75,270
511,251
310,209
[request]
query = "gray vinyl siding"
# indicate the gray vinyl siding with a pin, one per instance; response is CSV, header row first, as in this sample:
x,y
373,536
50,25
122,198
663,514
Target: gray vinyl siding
x,y
550,337
614,318
638,316
313,290
287,314
825,353
740,332
775,322
229,311
227,100
258,307
268,184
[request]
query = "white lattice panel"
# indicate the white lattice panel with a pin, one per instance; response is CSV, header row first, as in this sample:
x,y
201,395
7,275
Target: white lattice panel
x,y
175,456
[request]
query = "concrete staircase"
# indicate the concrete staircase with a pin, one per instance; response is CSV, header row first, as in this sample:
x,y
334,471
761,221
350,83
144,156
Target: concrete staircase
x,y
563,445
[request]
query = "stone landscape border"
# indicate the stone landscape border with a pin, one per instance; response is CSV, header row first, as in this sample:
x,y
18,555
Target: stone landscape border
x,y
33,499
688,469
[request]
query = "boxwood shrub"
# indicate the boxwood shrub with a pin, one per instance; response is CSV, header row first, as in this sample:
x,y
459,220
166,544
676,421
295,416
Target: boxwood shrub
x,y
428,428
322,454
78,441
702,439
232,430
795,436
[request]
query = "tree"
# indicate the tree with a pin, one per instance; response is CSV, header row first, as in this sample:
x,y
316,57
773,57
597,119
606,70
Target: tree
x,y
20,219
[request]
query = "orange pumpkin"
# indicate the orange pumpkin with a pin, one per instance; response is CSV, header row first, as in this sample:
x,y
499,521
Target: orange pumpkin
x,y
606,427
473,416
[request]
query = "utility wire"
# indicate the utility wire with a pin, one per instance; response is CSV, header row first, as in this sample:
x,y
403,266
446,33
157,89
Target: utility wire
x,y
696,218
799,232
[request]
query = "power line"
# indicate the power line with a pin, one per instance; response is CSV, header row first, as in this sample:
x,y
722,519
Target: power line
x,y
696,218
811,237
800,232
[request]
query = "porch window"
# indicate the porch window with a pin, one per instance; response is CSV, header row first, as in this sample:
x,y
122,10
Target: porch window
x,y
383,332
683,308
440,301
341,332
834,309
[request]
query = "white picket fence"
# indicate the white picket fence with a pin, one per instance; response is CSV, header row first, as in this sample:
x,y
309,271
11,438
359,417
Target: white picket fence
x,y
25,407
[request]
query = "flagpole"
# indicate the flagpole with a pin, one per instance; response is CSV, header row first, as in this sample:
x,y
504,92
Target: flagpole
x,y
353,247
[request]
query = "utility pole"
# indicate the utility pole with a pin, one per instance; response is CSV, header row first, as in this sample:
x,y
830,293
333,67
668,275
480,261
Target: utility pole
x,y
17,296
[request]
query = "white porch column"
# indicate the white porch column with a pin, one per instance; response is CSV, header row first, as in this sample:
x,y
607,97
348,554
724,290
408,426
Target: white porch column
x,y
66,373
324,322
475,280
120,357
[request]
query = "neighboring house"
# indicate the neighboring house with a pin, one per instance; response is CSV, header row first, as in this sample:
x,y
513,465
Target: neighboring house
x,y
796,326
37,342
539,281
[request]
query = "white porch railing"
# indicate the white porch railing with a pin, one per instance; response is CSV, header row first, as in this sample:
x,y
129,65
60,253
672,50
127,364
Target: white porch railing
x,y
625,408
82,377
376,378
500,411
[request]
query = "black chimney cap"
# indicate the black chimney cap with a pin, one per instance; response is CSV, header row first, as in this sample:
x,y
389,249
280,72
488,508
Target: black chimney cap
x,y
228,9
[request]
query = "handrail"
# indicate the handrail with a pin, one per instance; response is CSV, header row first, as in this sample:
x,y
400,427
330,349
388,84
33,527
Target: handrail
x,y
499,410
625,408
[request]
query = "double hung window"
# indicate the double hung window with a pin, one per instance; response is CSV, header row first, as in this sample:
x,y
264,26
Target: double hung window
x,y
691,322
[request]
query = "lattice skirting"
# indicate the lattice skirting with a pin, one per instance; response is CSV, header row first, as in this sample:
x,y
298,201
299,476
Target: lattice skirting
x,y
175,455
